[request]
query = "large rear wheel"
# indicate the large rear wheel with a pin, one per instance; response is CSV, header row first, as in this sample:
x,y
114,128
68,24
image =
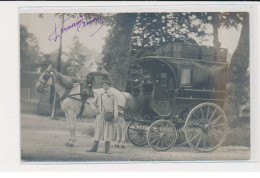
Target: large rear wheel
x,y
206,127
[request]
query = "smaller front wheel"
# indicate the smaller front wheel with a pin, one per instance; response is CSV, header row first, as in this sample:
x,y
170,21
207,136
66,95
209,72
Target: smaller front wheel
x,y
136,133
161,135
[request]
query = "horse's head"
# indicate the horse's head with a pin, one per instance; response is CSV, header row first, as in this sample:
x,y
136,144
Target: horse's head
x,y
45,80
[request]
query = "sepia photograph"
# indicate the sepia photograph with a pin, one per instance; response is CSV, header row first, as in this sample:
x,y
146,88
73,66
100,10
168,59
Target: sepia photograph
x,y
136,86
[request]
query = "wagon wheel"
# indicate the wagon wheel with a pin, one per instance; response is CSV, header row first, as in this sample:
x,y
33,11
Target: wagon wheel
x,y
136,133
162,135
206,127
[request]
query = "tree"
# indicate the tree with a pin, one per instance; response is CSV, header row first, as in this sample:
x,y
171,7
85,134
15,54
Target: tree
x,y
153,30
238,70
217,20
77,57
117,49
29,49
238,81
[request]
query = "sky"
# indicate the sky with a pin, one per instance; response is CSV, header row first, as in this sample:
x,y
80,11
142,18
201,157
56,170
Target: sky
x,y
227,37
43,27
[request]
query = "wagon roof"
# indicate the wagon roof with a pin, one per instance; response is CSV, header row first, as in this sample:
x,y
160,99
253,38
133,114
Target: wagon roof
x,y
170,60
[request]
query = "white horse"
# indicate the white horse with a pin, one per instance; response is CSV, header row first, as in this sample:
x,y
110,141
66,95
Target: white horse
x,y
70,100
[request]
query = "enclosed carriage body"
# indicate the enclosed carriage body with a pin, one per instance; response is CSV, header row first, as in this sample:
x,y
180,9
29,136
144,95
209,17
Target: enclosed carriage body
x,y
185,105
180,83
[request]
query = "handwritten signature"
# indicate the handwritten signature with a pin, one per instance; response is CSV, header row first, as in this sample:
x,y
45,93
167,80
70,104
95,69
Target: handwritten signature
x,y
78,24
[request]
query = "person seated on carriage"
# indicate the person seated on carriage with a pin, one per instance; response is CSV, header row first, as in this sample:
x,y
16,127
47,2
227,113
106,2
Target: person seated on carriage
x,y
107,114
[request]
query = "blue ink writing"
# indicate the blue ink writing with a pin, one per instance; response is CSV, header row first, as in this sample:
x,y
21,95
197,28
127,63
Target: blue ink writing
x,y
78,24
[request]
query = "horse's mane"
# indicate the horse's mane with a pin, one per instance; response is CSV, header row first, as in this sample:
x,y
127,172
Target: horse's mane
x,y
65,81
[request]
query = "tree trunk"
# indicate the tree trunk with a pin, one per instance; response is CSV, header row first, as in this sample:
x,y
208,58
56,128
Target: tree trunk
x,y
54,106
216,25
118,47
141,83
237,72
60,49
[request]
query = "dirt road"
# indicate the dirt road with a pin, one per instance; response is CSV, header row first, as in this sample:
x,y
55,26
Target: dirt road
x,y
43,139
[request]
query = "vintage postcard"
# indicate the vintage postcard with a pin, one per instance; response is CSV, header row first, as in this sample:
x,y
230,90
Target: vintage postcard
x,y
135,86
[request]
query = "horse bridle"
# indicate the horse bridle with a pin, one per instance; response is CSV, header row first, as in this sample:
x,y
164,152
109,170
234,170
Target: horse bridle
x,y
46,77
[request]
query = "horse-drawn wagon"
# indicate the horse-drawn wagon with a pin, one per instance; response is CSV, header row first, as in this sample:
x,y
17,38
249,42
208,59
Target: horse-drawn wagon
x,y
185,106
189,84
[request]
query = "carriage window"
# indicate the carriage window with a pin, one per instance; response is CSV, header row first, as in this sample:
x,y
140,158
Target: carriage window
x,y
163,79
186,76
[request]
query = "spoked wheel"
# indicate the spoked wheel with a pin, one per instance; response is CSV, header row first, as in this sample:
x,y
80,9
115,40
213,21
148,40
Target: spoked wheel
x,y
206,127
161,135
136,133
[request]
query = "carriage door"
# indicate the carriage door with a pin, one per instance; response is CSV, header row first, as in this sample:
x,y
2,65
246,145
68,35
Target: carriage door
x,y
164,88
164,84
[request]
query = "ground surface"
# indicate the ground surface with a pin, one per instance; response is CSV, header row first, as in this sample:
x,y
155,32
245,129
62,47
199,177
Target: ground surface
x,y
43,139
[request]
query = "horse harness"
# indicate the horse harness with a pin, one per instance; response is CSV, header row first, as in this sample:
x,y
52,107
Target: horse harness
x,y
83,95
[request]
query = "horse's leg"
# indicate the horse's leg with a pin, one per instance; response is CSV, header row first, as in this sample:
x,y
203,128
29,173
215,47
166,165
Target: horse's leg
x,y
122,125
114,133
73,119
69,127
117,134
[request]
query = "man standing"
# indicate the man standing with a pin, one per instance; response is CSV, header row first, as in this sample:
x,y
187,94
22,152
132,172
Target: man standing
x,y
104,126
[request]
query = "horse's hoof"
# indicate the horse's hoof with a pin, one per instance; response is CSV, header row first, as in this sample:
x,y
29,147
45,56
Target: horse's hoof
x,y
71,145
116,146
